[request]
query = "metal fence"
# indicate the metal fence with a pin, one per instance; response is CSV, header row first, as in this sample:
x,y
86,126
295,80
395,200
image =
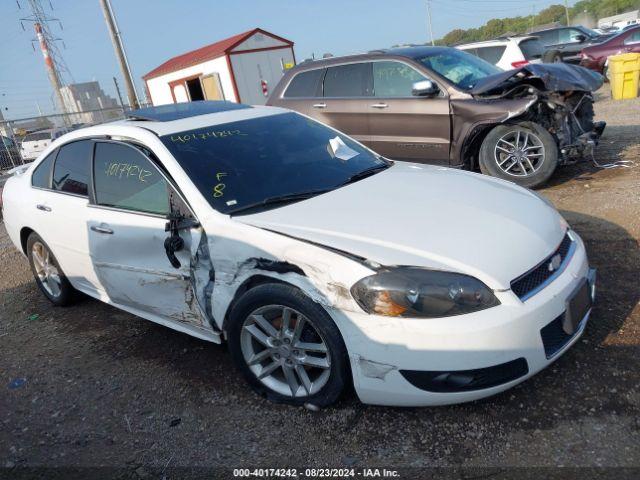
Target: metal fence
x,y
13,133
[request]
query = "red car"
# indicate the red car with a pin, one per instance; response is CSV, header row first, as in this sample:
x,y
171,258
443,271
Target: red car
x,y
596,57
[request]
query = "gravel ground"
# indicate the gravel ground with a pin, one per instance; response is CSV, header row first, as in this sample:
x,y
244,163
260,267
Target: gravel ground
x,y
104,388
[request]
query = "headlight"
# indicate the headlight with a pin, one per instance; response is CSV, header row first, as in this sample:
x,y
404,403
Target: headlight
x,y
420,293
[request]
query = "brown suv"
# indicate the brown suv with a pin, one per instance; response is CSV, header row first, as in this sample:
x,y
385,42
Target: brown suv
x,y
442,105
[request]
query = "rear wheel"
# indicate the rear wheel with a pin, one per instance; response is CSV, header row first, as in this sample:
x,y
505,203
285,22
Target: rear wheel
x,y
287,347
47,273
524,153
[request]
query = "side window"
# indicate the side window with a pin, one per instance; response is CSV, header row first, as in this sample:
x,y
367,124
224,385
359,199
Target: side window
x,y
633,38
71,170
394,79
569,35
305,84
550,37
491,54
125,178
41,176
352,80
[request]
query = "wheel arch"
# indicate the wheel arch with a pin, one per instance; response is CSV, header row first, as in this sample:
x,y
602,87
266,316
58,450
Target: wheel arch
x,y
24,236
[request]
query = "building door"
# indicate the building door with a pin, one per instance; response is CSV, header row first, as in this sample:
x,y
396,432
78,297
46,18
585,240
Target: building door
x,y
212,87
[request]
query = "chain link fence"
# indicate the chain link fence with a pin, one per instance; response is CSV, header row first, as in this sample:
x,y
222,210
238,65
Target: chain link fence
x,y
21,141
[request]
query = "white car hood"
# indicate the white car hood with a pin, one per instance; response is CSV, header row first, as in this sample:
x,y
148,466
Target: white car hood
x,y
428,216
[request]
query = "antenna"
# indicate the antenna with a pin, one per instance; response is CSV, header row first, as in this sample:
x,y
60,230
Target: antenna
x,y
48,46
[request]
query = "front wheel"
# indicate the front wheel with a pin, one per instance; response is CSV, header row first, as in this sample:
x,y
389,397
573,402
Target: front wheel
x,y
287,346
524,153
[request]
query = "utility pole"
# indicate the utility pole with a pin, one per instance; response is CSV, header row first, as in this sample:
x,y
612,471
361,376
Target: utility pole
x,y
429,16
118,46
566,11
115,81
46,40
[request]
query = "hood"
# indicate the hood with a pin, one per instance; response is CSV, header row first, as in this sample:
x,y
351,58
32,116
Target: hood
x,y
427,216
559,77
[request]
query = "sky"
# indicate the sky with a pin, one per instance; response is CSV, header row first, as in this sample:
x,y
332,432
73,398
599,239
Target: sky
x,y
155,30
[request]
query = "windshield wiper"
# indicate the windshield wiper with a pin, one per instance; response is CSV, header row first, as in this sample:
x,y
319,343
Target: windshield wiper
x,y
280,199
365,173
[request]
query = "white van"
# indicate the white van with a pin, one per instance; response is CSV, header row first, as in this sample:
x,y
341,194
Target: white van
x,y
507,52
37,142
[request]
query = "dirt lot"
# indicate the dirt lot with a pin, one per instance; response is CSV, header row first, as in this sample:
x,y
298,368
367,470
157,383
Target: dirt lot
x,y
103,388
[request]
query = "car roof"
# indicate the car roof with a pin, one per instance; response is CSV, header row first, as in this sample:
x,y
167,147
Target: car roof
x,y
412,51
180,117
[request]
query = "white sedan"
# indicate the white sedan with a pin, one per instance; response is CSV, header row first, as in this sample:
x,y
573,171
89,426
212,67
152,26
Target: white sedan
x,y
319,262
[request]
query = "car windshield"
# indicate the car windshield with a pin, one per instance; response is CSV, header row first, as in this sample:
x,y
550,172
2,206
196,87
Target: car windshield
x,y
460,68
588,32
256,162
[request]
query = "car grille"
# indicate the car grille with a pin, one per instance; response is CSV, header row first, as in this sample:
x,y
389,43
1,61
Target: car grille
x,y
533,281
554,338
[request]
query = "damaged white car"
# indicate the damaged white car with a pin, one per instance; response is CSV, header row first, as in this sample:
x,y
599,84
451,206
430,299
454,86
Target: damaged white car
x,y
319,262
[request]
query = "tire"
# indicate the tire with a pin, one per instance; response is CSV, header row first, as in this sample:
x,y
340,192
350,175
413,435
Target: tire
x,y
269,302
552,56
45,269
495,150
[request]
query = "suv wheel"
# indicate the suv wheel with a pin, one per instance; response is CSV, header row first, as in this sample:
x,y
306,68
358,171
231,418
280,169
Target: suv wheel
x,y
287,347
524,153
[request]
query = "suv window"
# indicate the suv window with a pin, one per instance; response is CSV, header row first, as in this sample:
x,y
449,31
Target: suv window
x,y
41,176
531,48
306,84
491,54
71,171
548,37
353,80
569,35
125,178
394,79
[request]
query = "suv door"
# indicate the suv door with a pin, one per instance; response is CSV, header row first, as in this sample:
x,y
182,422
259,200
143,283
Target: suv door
x,y
132,199
569,44
303,92
403,126
347,91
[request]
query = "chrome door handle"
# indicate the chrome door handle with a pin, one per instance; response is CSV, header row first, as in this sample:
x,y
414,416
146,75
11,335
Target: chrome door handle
x,y
319,105
102,230
44,208
379,105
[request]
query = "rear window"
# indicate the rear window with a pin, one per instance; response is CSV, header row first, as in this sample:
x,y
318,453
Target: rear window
x,y
71,171
306,84
531,48
548,37
491,54
34,137
352,80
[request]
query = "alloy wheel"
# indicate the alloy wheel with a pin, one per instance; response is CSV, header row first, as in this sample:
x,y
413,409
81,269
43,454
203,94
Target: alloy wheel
x,y
519,153
46,270
285,351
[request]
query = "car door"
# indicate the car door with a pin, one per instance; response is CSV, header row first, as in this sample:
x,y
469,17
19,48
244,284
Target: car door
x,y
403,126
570,42
347,93
60,210
126,227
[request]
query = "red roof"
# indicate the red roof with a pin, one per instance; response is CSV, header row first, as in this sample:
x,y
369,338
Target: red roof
x,y
205,53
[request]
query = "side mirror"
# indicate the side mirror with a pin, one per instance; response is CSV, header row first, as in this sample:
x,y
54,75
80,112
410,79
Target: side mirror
x,y
580,38
424,88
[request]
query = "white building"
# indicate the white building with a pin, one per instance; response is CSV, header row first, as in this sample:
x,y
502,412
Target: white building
x,y
243,68
85,97
621,20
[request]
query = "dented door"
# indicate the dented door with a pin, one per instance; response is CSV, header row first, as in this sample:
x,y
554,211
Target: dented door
x,y
126,231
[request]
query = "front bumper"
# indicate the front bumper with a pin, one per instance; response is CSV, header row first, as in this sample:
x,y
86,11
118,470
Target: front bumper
x,y
383,349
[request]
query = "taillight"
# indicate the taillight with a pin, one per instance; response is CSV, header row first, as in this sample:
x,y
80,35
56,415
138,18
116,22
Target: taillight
x,y
519,64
